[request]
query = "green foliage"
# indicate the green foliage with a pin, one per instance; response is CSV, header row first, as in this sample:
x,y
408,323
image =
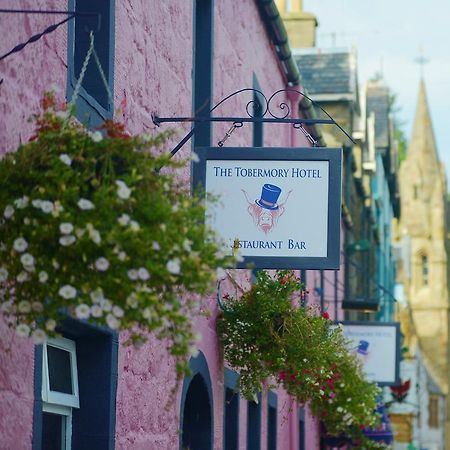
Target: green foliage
x,y
266,337
91,227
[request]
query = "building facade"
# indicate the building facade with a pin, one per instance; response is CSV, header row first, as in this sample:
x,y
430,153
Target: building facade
x,y
422,236
167,58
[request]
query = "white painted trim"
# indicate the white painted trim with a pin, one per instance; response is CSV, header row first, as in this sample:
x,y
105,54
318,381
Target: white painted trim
x,y
54,397
66,412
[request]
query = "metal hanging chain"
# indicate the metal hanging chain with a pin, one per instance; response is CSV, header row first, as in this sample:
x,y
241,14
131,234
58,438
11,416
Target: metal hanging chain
x,y
103,76
229,133
307,134
76,91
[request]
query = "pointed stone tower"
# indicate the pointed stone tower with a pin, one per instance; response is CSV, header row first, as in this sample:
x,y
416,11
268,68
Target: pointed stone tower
x,y
423,193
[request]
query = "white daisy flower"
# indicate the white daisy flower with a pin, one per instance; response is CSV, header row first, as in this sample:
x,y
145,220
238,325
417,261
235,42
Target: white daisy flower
x,y
147,314
143,274
123,190
175,208
124,219
97,295
122,256
132,300
187,245
27,259
3,274
39,336
82,311
46,206
65,158
96,136
23,330
156,246
68,240
220,273
24,307
57,208
174,266
193,351
20,245
36,203
85,204
8,212
134,226
133,274
102,264
112,322
21,202
22,277
26,221
55,264
2,246
117,311
95,236
67,291
106,305
50,325
96,311
65,228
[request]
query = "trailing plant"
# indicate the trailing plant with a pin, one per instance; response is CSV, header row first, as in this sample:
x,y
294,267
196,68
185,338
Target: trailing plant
x,y
91,227
268,335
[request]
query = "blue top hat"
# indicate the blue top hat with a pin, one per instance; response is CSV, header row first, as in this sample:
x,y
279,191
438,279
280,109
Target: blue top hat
x,y
269,196
363,347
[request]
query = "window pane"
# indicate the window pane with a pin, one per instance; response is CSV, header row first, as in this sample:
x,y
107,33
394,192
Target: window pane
x,y
272,429
83,24
253,426
59,370
231,419
53,432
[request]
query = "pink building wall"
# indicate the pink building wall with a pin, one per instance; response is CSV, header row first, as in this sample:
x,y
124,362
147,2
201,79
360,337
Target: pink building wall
x,y
153,67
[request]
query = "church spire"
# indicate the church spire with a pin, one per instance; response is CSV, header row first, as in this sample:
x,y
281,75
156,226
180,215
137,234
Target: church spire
x,y
422,146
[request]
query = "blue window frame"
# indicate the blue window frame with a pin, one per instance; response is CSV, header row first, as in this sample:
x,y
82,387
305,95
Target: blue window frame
x,y
272,410
231,411
93,423
196,417
301,429
254,424
203,68
93,103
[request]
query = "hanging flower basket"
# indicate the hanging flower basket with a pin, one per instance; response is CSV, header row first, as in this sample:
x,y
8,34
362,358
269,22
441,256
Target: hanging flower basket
x,y
266,337
91,227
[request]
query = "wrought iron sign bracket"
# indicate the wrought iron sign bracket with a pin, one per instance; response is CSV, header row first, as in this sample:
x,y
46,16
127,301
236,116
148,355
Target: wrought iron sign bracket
x,y
266,114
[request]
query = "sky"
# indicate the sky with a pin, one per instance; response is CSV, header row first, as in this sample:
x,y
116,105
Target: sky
x,y
389,36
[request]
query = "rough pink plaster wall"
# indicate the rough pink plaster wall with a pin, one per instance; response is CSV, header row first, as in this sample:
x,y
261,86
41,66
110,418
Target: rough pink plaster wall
x,y
16,389
153,64
26,76
30,72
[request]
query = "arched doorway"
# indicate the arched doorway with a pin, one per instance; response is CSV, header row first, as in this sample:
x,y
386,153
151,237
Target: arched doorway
x,y
196,408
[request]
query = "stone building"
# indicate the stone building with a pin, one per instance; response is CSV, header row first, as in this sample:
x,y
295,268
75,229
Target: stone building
x,y
423,232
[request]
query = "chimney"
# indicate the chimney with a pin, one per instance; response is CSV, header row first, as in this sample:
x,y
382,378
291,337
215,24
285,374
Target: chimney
x,y
300,25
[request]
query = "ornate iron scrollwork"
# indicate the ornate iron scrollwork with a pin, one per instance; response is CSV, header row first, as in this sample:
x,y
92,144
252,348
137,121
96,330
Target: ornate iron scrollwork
x,y
270,113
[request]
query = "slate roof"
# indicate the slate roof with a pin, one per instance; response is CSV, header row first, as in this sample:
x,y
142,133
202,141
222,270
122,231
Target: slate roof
x,y
327,73
378,103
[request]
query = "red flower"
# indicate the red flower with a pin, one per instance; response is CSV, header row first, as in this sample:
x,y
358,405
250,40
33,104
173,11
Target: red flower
x,y
326,316
282,375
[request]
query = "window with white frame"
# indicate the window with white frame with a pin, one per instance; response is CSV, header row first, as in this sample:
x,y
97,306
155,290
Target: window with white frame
x,y
59,393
